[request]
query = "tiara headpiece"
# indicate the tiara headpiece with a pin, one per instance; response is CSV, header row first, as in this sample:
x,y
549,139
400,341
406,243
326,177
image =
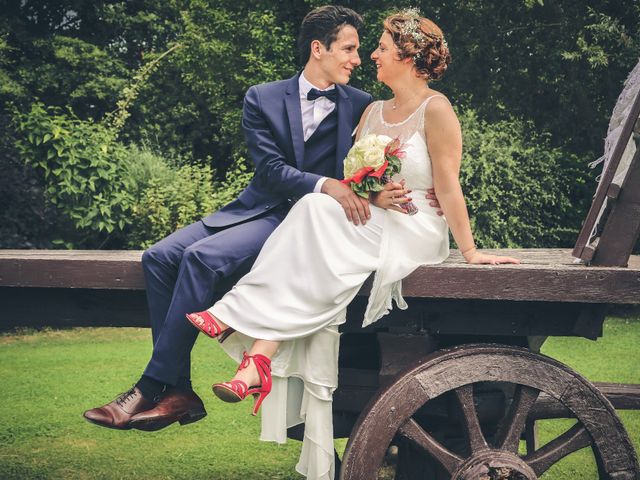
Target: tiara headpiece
x,y
411,28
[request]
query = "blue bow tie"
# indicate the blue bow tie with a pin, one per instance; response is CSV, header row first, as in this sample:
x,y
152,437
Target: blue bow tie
x,y
314,93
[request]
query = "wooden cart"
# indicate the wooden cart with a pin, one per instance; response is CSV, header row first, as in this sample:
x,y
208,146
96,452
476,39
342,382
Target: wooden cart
x,y
456,381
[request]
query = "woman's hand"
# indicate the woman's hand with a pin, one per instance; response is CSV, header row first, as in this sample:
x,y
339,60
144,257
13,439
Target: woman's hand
x,y
473,256
391,197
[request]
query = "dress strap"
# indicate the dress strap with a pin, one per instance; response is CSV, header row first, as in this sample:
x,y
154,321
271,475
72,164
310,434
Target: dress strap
x,y
423,107
426,102
375,106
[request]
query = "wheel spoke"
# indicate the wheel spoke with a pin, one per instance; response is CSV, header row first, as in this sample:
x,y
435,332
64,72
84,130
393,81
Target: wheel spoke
x,y
570,441
508,436
471,425
416,434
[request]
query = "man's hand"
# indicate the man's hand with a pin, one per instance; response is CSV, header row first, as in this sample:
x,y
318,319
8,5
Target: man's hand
x,y
355,207
431,195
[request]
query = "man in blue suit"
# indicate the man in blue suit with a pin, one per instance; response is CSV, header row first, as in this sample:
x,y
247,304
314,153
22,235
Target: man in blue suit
x,y
298,132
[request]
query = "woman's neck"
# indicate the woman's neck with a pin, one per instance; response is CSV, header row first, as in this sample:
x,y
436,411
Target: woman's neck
x,y
410,93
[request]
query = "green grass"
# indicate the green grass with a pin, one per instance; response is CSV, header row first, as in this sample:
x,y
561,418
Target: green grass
x,y
49,378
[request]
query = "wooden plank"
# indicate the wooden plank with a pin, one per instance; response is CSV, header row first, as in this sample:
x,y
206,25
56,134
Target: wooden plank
x,y
465,321
397,352
544,275
522,284
120,270
623,396
607,177
66,307
457,320
623,225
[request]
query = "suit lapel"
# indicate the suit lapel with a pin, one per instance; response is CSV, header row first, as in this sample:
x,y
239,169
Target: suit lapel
x,y
345,114
294,112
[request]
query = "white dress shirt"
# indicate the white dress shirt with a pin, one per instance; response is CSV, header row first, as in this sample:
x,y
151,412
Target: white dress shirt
x,y
313,113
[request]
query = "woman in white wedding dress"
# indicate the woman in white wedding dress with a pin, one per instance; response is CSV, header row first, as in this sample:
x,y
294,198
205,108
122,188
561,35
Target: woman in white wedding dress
x,y
286,311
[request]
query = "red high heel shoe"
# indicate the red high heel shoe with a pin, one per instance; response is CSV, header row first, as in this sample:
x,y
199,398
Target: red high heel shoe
x,y
237,390
207,324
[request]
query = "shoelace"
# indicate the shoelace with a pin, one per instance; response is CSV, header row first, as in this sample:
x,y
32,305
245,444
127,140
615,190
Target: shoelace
x,y
126,396
244,363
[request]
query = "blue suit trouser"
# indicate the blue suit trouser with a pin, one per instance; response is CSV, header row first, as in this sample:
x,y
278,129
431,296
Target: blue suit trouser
x,y
185,272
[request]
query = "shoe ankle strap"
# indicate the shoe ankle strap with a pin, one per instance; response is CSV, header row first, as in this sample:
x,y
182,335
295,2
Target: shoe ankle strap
x,y
258,358
263,365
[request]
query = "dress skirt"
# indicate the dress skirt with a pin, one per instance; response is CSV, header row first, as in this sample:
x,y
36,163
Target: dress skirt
x,y
297,292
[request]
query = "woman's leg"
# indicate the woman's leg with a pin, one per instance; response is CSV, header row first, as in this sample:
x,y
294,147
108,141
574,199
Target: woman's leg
x,y
310,268
250,375
268,348
204,265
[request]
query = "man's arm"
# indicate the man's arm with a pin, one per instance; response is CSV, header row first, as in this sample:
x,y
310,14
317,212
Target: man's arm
x,y
271,167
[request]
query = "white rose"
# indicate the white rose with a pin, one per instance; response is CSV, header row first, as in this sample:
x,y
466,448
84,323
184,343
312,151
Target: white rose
x,y
367,152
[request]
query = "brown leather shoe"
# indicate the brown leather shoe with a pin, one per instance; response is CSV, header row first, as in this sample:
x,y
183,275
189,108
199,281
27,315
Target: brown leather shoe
x,y
176,405
118,413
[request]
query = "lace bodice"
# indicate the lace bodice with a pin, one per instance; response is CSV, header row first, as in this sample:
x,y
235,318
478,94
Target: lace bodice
x,y
416,166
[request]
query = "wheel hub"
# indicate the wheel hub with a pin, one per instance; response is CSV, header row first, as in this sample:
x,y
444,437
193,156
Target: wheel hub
x,y
494,465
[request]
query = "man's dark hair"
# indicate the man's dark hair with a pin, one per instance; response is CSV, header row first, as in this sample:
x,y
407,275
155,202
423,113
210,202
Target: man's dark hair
x,y
323,24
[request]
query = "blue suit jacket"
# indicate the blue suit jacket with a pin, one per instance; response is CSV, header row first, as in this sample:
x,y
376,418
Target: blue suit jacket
x,y
272,124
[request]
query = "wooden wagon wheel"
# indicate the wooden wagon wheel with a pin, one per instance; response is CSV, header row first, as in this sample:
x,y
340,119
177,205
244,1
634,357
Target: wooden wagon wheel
x,y
391,414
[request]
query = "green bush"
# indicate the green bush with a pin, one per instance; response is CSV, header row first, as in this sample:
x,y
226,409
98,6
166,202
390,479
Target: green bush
x,y
83,170
26,220
560,64
115,195
520,191
166,197
227,190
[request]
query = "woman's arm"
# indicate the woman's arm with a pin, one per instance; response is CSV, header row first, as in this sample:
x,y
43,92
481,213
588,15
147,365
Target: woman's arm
x,y
444,141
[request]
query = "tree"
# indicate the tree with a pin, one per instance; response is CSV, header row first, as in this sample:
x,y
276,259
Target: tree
x,y
556,67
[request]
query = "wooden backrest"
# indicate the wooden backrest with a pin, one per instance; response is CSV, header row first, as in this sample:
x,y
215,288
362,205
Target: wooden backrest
x,y
618,228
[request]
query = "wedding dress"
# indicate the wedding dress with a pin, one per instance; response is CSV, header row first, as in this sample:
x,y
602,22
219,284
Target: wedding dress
x,y
309,270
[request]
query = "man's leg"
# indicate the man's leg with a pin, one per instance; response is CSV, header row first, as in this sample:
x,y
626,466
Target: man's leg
x,y
160,264
203,268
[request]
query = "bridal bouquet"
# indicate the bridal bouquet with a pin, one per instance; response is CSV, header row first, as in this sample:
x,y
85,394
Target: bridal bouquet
x,y
371,163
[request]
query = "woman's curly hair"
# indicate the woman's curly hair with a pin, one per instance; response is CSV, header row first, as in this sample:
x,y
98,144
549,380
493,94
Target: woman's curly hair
x,y
421,40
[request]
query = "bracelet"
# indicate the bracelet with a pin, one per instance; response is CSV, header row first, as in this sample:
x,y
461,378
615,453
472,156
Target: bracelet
x,y
464,254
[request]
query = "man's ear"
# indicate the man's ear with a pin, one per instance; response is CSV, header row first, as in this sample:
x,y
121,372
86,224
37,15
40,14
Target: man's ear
x,y
316,49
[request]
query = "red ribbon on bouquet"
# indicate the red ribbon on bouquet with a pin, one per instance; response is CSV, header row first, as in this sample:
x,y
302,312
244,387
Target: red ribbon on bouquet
x,y
366,172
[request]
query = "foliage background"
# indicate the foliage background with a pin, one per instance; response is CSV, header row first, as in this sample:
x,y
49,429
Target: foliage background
x,y
534,82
